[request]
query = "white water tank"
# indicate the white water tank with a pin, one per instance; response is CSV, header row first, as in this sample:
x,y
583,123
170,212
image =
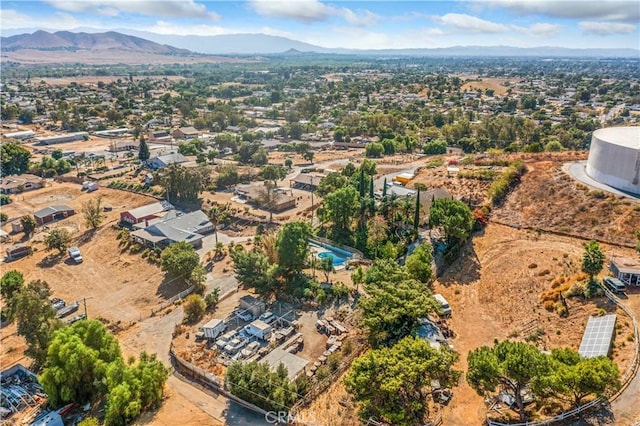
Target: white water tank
x,y
614,158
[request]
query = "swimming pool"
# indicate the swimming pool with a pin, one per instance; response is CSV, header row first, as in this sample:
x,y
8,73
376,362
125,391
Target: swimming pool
x,y
335,258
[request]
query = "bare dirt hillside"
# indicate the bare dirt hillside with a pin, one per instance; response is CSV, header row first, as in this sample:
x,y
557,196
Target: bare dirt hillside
x,y
549,199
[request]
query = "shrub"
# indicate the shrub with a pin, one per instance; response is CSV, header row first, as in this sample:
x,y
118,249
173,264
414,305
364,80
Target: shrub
x,y
435,147
194,308
549,305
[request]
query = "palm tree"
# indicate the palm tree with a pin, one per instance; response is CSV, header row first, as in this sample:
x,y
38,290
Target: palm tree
x,y
218,215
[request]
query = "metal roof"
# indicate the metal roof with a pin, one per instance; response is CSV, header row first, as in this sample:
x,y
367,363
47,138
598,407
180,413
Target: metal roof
x,y
596,340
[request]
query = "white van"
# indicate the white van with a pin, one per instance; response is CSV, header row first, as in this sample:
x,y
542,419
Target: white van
x,y
446,309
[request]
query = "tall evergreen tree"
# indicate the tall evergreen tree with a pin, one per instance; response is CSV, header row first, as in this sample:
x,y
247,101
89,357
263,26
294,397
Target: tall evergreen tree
x,y
143,150
384,188
416,214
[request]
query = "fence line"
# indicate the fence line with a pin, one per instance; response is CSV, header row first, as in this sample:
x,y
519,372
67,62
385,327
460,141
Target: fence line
x,y
560,233
208,381
626,379
171,300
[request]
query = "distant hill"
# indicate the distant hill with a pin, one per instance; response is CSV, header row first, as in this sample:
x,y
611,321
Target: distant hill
x,y
71,41
263,44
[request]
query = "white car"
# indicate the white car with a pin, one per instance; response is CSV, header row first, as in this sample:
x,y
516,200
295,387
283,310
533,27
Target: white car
x,y
74,253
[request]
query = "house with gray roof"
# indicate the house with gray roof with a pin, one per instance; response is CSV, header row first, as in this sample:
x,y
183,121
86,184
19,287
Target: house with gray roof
x,y
173,227
53,214
163,161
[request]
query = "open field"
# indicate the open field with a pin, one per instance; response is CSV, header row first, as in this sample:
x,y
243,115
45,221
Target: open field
x,y
103,57
491,83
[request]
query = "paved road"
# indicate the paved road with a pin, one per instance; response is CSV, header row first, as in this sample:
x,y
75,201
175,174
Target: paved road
x,y
626,408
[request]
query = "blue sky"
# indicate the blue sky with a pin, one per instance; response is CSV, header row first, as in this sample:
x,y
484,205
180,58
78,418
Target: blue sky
x,y
352,24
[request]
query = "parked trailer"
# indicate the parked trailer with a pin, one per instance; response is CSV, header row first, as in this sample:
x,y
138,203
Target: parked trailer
x,y
213,328
67,310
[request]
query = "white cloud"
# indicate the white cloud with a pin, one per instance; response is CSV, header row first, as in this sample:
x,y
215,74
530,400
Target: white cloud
x,y
304,11
170,28
606,28
607,10
545,30
166,8
10,18
471,23
309,11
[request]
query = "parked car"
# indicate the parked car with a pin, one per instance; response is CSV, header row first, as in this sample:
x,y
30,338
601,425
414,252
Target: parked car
x,y
614,284
267,317
74,253
235,345
244,315
57,303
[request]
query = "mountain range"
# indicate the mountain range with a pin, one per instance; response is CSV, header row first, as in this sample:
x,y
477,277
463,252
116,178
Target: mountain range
x,y
258,44
74,41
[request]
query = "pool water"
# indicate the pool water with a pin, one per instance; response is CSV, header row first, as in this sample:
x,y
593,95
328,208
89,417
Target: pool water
x,y
337,260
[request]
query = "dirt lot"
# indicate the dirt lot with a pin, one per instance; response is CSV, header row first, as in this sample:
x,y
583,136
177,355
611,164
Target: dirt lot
x,y
496,84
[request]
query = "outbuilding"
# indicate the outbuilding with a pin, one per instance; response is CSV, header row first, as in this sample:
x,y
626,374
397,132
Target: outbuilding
x,y
258,329
213,328
626,269
53,214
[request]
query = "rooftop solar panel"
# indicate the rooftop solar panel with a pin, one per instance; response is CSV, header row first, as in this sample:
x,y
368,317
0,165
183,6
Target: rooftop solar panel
x,y
597,336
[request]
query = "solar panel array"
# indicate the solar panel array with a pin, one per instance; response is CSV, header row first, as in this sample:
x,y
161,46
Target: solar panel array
x,y
597,337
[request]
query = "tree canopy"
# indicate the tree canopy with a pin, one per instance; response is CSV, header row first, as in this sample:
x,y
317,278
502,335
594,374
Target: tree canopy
x,y
392,384
180,260
14,159
293,246
340,208
592,259
57,239
418,263
453,216
513,365
184,184
252,269
393,304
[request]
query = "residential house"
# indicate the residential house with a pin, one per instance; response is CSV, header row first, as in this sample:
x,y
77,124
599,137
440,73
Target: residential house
x,y
254,194
163,161
53,214
145,213
173,227
626,269
306,181
185,133
20,183
159,136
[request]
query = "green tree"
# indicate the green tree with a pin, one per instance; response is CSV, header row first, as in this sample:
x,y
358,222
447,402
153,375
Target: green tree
x,y
180,260
329,183
273,173
77,362
252,269
326,266
194,308
184,184
293,246
340,209
288,163
435,147
56,154
592,259
454,217
11,283
574,378
143,151
418,263
393,306
227,176
28,224
512,365
92,211
134,388
268,198
212,298
14,159
392,384
35,318
308,155
374,149
57,239
256,383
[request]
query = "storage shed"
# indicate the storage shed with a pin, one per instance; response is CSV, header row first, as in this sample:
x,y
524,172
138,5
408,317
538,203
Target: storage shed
x,y
53,214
